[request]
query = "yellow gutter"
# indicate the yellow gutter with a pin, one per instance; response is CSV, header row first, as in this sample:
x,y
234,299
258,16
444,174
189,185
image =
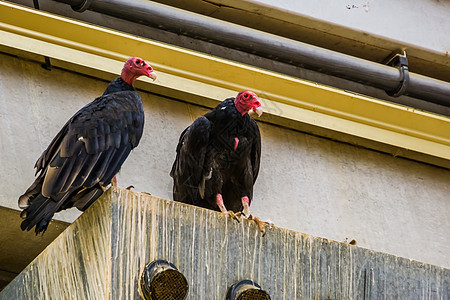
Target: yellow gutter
x,y
200,78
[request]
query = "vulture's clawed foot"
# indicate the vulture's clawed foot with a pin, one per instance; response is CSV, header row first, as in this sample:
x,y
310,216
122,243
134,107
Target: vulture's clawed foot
x,y
261,224
233,215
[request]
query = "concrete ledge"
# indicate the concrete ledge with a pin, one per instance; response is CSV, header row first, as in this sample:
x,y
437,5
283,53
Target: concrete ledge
x,y
12,238
102,254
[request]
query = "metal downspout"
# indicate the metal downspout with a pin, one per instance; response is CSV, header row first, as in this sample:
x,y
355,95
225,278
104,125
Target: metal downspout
x,y
268,45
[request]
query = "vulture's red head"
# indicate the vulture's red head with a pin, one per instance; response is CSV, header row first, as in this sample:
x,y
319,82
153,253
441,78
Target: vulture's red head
x,y
135,67
247,101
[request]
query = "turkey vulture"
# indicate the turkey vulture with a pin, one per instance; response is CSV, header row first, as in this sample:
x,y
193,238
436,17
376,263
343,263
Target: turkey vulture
x,y
218,157
88,151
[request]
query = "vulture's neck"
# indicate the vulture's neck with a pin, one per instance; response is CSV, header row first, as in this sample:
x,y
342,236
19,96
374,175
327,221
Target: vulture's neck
x,y
118,85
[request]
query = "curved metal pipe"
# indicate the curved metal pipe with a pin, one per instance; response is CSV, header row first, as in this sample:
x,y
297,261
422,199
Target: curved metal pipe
x,y
268,45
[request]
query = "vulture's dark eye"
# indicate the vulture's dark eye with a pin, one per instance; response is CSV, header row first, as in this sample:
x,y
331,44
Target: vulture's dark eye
x,y
245,95
138,61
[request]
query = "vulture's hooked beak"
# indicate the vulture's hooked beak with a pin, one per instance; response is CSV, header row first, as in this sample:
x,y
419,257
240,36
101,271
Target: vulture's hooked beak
x,y
152,75
259,111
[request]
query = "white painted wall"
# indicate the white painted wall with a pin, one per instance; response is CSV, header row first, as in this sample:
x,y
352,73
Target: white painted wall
x,y
307,183
423,23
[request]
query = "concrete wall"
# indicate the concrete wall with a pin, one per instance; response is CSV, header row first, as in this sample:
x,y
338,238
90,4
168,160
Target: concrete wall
x,y
103,254
422,23
307,183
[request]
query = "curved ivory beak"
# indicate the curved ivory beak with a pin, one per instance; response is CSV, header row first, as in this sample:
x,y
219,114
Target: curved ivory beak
x,y
152,75
259,111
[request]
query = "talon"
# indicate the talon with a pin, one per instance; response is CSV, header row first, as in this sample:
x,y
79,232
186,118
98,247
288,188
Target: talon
x,y
130,187
233,215
261,224
219,202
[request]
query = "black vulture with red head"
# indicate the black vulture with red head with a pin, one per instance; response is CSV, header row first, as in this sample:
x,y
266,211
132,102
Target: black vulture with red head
x,y
88,151
218,157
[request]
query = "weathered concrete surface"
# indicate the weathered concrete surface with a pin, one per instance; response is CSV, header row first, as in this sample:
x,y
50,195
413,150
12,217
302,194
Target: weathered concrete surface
x,y
73,266
103,253
307,183
18,248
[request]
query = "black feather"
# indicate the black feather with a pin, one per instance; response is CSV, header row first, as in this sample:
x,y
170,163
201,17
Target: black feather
x,y
39,213
117,139
86,169
116,163
208,164
86,197
100,168
84,156
80,161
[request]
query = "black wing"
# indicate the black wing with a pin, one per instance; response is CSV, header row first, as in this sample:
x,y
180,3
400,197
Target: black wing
x,y
256,149
188,169
83,157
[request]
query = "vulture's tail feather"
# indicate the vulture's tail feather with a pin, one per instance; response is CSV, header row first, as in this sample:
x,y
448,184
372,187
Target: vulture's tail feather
x,y
39,213
85,198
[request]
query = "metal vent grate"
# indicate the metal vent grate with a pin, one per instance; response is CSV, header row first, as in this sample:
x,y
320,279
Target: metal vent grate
x,y
246,290
161,280
254,295
169,285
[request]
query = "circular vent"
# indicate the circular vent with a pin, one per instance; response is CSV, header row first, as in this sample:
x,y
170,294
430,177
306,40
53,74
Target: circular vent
x,y
161,280
247,290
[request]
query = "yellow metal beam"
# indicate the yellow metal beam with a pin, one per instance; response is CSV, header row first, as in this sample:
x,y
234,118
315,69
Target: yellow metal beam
x,y
201,78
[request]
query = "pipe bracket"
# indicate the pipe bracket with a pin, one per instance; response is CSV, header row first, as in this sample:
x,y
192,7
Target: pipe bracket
x,y
399,61
82,6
